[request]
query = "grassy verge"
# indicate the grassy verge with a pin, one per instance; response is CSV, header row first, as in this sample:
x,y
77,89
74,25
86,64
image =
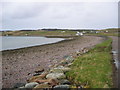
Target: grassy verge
x,y
94,68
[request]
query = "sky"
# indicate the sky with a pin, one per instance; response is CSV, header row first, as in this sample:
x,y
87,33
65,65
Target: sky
x,y
35,14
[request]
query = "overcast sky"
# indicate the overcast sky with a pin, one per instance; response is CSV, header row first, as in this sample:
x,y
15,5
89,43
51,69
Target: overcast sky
x,y
75,15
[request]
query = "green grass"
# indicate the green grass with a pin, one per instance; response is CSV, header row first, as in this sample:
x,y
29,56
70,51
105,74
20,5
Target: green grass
x,y
39,33
105,34
111,32
93,69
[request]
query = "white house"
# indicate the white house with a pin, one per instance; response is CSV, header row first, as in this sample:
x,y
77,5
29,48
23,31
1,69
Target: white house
x,y
79,34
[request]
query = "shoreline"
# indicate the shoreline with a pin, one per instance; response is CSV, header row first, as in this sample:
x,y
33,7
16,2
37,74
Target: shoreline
x,y
64,37
20,64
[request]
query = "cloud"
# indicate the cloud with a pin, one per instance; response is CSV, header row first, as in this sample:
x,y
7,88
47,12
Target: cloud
x,y
23,10
61,15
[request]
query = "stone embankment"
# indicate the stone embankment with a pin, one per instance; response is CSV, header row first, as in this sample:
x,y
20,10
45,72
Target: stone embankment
x,y
55,77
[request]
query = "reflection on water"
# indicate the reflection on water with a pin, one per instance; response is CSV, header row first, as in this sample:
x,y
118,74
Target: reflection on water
x,y
14,42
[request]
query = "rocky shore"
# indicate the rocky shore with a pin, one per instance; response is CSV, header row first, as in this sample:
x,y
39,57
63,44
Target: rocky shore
x,y
54,78
26,65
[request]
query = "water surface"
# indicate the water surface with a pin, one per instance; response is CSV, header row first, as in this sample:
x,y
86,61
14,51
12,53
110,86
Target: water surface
x,y
15,42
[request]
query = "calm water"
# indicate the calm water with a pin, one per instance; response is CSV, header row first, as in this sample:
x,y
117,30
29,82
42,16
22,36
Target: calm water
x,y
14,42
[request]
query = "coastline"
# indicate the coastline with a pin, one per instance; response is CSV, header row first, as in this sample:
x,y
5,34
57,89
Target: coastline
x,y
20,64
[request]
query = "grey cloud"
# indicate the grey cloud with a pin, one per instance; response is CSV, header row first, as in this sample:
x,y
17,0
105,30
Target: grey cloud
x,y
61,15
26,10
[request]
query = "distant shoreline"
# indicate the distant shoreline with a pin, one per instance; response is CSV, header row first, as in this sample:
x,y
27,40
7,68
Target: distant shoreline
x,y
37,44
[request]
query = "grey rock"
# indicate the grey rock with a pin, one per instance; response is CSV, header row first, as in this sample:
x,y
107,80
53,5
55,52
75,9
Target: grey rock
x,y
31,85
21,88
17,85
64,81
62,86
55,76
114,52
64,69
70,58
36,74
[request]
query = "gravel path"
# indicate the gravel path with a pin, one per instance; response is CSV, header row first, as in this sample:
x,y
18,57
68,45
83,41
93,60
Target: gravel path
x,y
19,65
115,50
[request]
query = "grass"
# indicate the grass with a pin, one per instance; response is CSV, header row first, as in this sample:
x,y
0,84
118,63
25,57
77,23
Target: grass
x,y
39,33
111,32
93,69
105,34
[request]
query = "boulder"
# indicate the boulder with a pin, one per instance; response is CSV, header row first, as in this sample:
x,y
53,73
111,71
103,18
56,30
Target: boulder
x,y
41,81
64,81
70,64
64,69
39,77
34,78
17,85
40,69
31,85
41,87
62,87
36,74
63,63
114,52
56,76
70,59
20,88
56,71
53,82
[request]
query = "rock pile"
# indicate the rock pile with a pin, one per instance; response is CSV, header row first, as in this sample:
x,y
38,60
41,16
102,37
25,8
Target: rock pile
x,y
54,78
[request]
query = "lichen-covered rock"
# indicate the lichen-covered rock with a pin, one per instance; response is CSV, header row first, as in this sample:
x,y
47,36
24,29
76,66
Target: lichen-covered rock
x,y
56,76
62,87
63,62
56,70
70,64
64,69
53,82
34,78
31,85
39,77
41,81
